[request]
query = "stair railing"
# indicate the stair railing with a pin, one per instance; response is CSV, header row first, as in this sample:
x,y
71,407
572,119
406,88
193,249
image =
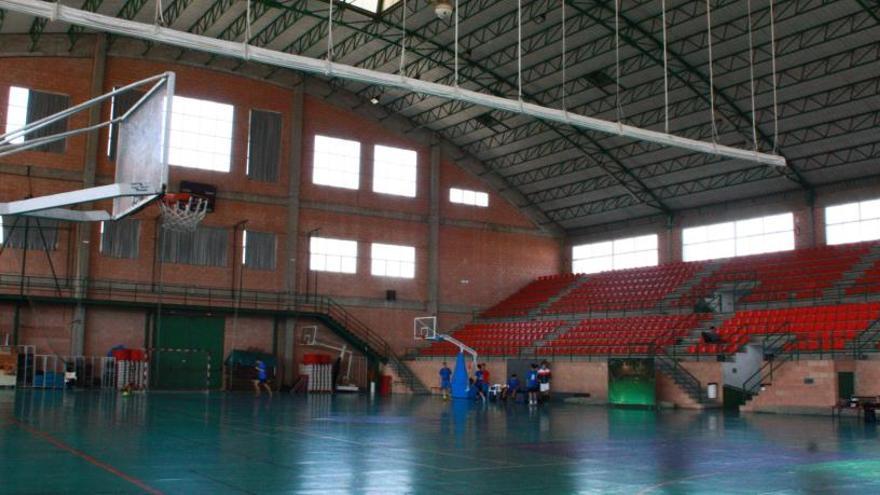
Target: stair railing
x,y
866,338
662,357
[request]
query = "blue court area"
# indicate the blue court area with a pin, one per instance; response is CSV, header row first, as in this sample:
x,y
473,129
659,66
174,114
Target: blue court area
x,y
186,443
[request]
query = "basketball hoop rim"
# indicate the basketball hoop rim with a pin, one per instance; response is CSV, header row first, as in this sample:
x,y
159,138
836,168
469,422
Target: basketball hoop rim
x,y
172,198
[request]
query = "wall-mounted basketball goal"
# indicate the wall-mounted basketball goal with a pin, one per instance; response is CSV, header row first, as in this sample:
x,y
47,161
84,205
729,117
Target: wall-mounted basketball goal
x,y
142,133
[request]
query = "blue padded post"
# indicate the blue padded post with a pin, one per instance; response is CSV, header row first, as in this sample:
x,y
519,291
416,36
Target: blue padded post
x,y
460,378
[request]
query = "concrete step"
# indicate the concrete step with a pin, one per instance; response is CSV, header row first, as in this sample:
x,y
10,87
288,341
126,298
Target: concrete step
x,y
539,310
854,273
671,299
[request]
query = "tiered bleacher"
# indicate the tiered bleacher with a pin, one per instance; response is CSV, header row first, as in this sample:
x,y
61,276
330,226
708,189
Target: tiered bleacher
x,y
814,328
801,274
531,296
495,339
631,335
868,283
636,288
766,279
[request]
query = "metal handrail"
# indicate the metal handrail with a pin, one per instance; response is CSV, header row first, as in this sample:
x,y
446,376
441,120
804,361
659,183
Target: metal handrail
x,y
771,363
678,367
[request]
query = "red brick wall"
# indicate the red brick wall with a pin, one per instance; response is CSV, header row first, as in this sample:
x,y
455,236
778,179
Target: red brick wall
x,y
789,392
109,327
495,262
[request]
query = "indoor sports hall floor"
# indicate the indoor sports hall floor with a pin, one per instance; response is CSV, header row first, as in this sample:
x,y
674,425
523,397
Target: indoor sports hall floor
x,y
82,442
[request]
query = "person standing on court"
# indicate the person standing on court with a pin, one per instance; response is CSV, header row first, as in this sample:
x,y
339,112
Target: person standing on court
x,y
544,376
262,378
445,381
532,384
486,380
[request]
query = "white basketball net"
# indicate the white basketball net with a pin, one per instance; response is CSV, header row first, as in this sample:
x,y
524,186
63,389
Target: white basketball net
x,y
183,216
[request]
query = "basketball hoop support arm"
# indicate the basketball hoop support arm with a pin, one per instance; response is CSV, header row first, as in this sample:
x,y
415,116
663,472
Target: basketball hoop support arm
x,y
461,346
51,206
56,205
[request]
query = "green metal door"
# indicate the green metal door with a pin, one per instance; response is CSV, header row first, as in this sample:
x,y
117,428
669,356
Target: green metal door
x,y
846,385
184,344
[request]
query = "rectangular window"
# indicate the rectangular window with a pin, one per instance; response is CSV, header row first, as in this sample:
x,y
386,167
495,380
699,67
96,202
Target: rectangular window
x,y
394,171
258,250
26,106
120,238
333,255
264,146
41,233
629,252
201,134
207,246
389,260
852,222
466,197
119,105
337,162
740,238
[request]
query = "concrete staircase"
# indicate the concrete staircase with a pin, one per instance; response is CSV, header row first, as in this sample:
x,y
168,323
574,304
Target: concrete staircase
x,y
855,272
696,335
555,334
407,377
539,309
687,382
671,300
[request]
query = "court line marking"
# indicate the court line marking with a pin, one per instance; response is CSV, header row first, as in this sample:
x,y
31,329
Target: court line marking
x,y
86,457
651,488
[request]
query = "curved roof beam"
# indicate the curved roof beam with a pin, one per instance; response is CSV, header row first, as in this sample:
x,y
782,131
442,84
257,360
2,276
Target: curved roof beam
x,y
789,172
634,186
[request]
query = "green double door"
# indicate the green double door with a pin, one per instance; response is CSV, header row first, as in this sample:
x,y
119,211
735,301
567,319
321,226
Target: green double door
x,y
183,345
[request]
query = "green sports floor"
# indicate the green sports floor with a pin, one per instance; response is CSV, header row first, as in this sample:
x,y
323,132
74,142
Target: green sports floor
x,y
83,442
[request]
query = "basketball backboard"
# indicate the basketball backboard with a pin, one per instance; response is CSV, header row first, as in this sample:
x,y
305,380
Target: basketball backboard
x,y
141,160
142,155
425,328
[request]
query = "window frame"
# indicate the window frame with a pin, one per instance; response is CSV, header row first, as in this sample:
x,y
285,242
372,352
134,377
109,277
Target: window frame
x,y
612,255
405,268
184,128
460,196
733,244
388,172
350,169
345,260
862,222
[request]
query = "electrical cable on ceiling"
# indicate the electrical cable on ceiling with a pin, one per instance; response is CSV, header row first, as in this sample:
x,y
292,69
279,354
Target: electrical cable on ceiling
x,y
519,49
159,17
330,32
665,71
752,77
247,29
773,71
711,73
456,43
403,41
617,58
564,107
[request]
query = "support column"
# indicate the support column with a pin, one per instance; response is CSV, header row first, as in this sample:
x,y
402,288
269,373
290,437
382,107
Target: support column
x,y
287,355
84,229
294,167
294,171
434,232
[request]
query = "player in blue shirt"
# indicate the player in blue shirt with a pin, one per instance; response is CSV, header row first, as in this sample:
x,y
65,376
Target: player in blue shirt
x,y
532,384
512,387
445,381
262,378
